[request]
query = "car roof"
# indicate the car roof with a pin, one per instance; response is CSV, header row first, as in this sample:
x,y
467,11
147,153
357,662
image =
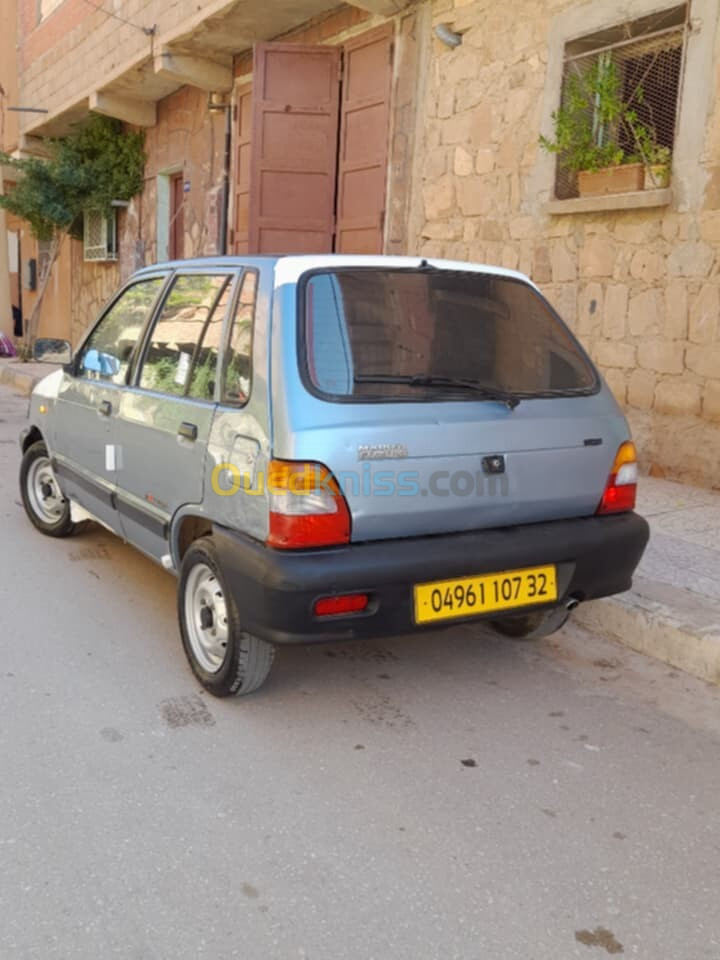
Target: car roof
x,y
289,268
222,262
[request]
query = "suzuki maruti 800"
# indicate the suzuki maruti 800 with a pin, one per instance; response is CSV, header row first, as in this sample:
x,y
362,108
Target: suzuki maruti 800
x,y
337,447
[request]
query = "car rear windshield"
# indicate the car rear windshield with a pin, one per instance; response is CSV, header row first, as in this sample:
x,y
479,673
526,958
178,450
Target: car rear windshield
x,y
425,334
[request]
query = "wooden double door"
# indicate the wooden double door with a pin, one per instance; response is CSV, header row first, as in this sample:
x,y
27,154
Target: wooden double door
x,y
312,148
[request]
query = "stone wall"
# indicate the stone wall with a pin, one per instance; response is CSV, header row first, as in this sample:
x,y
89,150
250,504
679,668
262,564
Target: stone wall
x,y
407,82
640,287
91,286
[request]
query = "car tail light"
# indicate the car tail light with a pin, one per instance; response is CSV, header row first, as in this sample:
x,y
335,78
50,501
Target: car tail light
x,y
307,507
346,603
621,487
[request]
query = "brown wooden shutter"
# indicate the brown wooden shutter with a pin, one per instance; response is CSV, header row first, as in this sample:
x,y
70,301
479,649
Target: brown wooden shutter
x,y
294,148
364,134
241,172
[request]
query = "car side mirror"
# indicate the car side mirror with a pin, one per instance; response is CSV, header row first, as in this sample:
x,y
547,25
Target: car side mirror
x,y
49,350
95,361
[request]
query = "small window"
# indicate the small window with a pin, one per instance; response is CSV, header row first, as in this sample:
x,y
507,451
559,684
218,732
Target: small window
x,y
99,236
238,363
107,352
182,354
620,99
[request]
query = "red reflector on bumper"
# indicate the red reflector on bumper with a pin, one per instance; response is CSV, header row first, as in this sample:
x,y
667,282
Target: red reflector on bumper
x,y
348,603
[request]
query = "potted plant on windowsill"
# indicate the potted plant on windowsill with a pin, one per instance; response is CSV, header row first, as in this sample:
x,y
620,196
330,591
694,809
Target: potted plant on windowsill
x,y
657,169
656,159
599,137
626,175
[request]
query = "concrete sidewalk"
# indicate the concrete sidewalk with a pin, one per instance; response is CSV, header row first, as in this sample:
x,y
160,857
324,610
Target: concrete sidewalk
x,y
673,611
23,376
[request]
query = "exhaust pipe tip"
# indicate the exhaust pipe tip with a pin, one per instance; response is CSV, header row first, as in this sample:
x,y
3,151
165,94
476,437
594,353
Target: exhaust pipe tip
x,y
571,604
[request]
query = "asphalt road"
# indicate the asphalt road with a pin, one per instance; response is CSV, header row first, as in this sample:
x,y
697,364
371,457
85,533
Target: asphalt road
x,y
429,798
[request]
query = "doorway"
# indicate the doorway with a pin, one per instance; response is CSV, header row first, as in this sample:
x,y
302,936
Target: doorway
x,y
312,148
176,233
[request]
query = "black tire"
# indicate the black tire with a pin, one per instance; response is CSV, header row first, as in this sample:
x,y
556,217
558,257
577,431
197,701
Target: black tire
x,y
53,523
531,626
246,661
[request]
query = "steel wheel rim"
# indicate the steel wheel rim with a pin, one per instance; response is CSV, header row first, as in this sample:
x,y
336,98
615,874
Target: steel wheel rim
x,y
45,496
206,618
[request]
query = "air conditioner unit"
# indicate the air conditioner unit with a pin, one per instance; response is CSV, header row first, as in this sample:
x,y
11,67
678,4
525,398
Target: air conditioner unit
x,y
99,236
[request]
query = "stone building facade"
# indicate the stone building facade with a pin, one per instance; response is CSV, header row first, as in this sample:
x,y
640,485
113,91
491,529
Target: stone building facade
x,y
471,85
639,285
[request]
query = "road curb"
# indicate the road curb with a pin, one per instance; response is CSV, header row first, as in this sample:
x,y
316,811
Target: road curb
x,y
664,622
19,380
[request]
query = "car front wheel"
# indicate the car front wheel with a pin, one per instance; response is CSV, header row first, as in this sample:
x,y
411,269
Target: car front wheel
x,y
225,658
42,497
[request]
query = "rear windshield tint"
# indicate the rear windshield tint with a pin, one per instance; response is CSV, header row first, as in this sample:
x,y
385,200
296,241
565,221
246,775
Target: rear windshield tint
x,y
363,324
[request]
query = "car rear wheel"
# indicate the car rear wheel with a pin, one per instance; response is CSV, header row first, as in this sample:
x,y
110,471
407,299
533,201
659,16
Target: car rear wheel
x,y
531,626
225,658
42,497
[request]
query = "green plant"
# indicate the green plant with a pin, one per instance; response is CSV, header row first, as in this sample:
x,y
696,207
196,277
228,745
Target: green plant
x,y
94,165
660,156
647,149
595,127
586,122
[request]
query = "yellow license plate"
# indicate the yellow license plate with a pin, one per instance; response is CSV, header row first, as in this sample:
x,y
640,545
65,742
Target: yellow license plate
x,y
447,599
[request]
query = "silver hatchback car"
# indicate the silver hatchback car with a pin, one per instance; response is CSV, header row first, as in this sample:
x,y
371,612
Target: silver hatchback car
x,y
334,447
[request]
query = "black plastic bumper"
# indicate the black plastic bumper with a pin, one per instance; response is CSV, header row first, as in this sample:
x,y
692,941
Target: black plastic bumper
x,y
275,590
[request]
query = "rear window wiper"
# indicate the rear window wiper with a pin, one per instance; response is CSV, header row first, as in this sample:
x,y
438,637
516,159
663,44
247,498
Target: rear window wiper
x,y
556,392
428,380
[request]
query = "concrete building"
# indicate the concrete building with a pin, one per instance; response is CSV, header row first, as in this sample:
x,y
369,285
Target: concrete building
x,y
381,125
24,257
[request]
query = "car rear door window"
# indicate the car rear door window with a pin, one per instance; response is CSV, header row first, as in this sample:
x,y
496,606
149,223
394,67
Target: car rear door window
x,y
107,352
181,356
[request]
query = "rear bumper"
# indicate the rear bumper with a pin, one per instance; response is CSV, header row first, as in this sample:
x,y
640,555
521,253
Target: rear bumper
x,y
275,590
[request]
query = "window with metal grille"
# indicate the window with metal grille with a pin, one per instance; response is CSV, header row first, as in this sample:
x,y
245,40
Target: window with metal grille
x,y
646,57
99,236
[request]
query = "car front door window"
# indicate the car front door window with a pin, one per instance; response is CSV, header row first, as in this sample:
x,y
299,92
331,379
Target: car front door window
x,y
107,352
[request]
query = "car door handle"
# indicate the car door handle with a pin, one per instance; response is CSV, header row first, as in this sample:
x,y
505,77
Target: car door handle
x,y
188,431
105,408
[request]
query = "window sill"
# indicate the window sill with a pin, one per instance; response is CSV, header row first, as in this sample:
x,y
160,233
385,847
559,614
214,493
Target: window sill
x,y
613,201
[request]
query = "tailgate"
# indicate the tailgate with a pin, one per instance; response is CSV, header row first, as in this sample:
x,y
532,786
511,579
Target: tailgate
x,y
413,470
